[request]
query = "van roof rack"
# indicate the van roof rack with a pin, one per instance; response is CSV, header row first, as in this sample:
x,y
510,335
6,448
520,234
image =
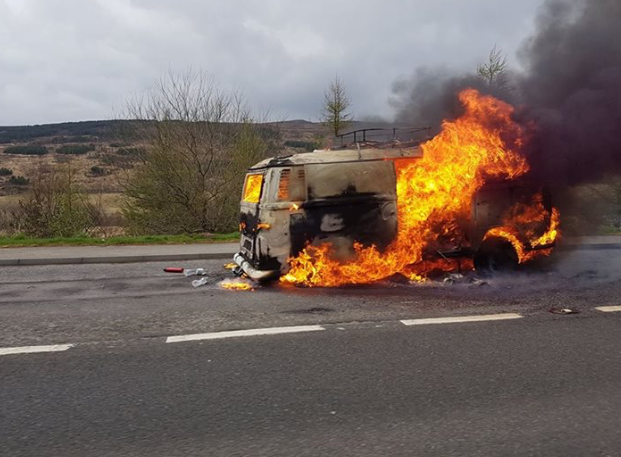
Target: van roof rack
x,y
386,137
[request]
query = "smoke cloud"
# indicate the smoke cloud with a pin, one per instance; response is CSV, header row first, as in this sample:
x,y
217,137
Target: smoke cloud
x,y
431,95
570,90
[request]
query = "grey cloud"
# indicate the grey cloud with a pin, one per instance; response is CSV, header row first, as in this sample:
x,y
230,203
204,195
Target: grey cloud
x,y
74,59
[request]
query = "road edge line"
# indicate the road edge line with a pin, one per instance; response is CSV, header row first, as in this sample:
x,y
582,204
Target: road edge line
x,y
244,333
608,309
461,319
35,349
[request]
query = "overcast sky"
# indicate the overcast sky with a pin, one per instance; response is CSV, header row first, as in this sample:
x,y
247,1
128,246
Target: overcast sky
x,y
70,60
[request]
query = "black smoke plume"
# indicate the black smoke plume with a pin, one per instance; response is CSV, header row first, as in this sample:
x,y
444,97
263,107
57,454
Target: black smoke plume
x,y
570,90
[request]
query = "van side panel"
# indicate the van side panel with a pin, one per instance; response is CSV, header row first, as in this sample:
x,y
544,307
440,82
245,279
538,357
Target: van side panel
x,y
347,203
366,220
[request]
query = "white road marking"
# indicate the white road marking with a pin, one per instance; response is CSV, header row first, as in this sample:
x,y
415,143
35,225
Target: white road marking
x,y
609,309
453,320
35,349
240,333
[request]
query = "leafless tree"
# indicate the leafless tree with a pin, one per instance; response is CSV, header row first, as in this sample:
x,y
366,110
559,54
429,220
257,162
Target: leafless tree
x,y
198,142
495,71
336,104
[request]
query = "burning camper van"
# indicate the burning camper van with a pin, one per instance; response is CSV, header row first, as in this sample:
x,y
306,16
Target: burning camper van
x,y
367,210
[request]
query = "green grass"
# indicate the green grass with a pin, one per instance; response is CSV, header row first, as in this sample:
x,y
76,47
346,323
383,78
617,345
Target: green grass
x,y
608,230
24,241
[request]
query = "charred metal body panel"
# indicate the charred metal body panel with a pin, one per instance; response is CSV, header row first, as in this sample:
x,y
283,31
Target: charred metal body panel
x,y
337,197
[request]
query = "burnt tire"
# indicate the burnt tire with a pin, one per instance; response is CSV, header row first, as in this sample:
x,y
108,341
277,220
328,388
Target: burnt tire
x,y
495,255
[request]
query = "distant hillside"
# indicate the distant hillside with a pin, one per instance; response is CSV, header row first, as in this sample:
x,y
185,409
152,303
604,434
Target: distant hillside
x,y
105,131
59,133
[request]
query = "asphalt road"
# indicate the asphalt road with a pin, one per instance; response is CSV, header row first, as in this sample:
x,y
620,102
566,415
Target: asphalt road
x,y
361,384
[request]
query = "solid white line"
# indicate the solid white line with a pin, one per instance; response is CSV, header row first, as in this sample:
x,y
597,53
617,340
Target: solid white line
x,y
453,320
239,333
608,309
35,349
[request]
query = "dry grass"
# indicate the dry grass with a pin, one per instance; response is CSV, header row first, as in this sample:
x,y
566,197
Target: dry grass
x,y
25,165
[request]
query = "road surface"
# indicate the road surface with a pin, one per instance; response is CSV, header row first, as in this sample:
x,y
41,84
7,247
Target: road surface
x,y
138,362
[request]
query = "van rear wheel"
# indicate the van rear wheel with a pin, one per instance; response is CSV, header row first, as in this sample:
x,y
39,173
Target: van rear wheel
x,y
495,255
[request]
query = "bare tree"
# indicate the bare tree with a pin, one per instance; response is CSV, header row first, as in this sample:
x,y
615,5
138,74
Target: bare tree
x,y
495,71
198,142
336,104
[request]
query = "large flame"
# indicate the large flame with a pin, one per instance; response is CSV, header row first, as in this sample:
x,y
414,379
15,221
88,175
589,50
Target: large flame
x,y
433,193
523,223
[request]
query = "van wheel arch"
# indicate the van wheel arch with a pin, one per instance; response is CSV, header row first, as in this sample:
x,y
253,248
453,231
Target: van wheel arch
x,y
495,255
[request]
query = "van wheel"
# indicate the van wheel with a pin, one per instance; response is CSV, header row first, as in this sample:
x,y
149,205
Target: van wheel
x,y
495,255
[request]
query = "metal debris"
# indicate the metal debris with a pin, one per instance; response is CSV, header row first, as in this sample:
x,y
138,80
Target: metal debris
x,y
453,278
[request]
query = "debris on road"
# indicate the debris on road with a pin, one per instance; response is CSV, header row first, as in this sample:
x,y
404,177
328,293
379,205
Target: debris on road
x,y
191,272
200,282
453,278
563,311
195,272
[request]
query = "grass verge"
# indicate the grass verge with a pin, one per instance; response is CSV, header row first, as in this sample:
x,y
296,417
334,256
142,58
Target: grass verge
x,y
24,241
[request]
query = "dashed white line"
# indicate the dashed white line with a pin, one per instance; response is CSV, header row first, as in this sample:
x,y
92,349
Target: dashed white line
x,y
608,309
241,333
35,349
457,319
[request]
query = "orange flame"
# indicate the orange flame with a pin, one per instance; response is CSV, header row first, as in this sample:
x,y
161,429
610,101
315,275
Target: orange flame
x,y
432,194
527,218
252,188
236,285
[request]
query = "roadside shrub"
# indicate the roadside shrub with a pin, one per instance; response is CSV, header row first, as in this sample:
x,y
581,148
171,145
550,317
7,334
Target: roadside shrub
x,y
132,153
75,149
18,181
71,139
7,217
200,141
98,171
6,172
113,159
29,149
56,206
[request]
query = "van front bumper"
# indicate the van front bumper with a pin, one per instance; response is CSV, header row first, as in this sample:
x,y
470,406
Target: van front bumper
x,y
253,273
